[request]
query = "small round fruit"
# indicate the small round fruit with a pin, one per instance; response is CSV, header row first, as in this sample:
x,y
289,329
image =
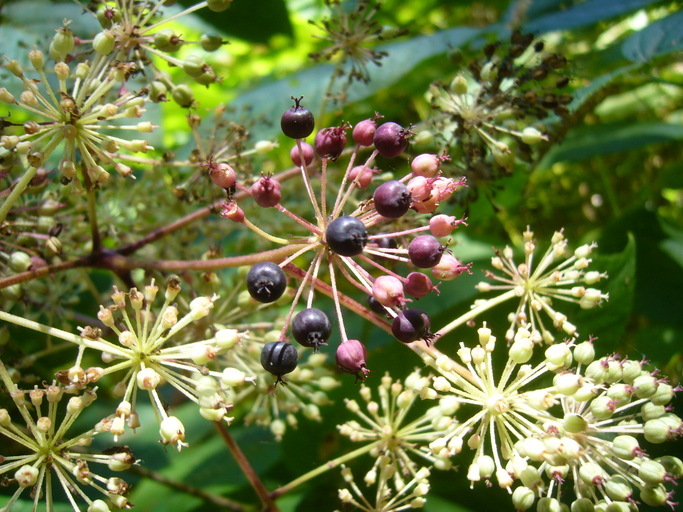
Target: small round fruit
x,y
425,251
279,358
410,325
364,132
392,199
297,122
418,284
350,358
376,306
266,282
346,236
311,328
266,191
391,139
307,151
330,142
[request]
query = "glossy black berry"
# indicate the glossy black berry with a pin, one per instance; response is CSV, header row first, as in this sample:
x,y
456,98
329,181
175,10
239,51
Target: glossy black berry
x,y
346,236
425,251
297,122
410,325
391,139
392,199
376,306
311,328
266,282
279,358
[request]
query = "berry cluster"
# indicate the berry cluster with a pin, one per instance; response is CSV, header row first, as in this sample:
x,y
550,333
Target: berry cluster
x,y
346,241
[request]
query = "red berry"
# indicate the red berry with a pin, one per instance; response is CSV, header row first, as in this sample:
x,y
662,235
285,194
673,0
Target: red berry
x,y
391,139
306,149
297,122
425,164
364,132
449,268
222,175
330,142
418,285
362,174
266,191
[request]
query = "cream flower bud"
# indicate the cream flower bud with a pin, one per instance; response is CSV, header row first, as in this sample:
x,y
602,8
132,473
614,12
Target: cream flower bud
x,y
127,338
98,506
523,498
172,431
201,306
5,418
148,379
26,476
226,338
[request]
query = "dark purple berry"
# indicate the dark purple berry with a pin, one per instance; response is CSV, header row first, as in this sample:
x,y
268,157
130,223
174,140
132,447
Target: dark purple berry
x,y
376,306
266,282
410,325
391,139
330,142
346,236
297,122
386,242
425,251
279,358
418,284
266,191
306,149
364,132
392,199
311,328
350,357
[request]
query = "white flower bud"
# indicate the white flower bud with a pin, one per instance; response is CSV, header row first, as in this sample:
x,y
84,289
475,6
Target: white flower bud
x,y
172,431
26,476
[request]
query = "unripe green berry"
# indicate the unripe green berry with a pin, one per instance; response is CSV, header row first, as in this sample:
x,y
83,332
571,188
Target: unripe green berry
x,y
645,386
584,353
19,261
207,78
618,506
218,5
167,41
625,447
194,65
654,496
618,488
11,292
602,407
104,42
210,43
657,431
63,41
630,370
98,506
620,393
592,474
575,423
663,395
567,383
423,138
523,498
157,91
597,371
650,411
582,505
183,96
548,505
651,472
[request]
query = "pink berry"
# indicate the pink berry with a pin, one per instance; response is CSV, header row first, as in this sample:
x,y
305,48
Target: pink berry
x,y
232,211
350,357
391,139
443,225
222,175
418,285
444,188
364,132
428,205
362,174
266,191
306,149
420,188
425,164
388,290
449,268
330,142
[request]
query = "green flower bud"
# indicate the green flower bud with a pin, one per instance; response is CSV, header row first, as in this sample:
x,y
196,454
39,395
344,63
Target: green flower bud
x,y
657,431
630,370
531,135
584,353
592,474
98,506
104,42
663,395
63,41
548,505
459,85
218,5
673,465
531,478
423,138
523,498
210,43
618,488
625,447
620,393
585,393
37,59
582,505
19,261
654,496
183,96
650,411
618,506
651,472
603,407
575,423
645,386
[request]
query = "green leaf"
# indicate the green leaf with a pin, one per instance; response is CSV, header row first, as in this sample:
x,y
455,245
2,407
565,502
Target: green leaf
x,y
583,94
243,19
659,38
583,14
438,504
591,141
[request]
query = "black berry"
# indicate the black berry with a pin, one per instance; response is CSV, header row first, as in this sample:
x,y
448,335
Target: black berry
x,y
346,236
410,325
391,139
376,306
279,358
392,199
297,122
311,328
425,251
266,282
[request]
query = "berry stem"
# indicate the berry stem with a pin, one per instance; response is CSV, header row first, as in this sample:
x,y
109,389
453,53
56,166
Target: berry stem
x,y
399,233
303,222
335,296
383,268
307,183
262,233
266,500
18,189
343,196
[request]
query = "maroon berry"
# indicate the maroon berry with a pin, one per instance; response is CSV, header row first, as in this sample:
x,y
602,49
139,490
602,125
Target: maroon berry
x,y
346,236
350,357
364,132
391,139
425,251
418,285
266,191
410,325
297,122
392,199
330,142
306,149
